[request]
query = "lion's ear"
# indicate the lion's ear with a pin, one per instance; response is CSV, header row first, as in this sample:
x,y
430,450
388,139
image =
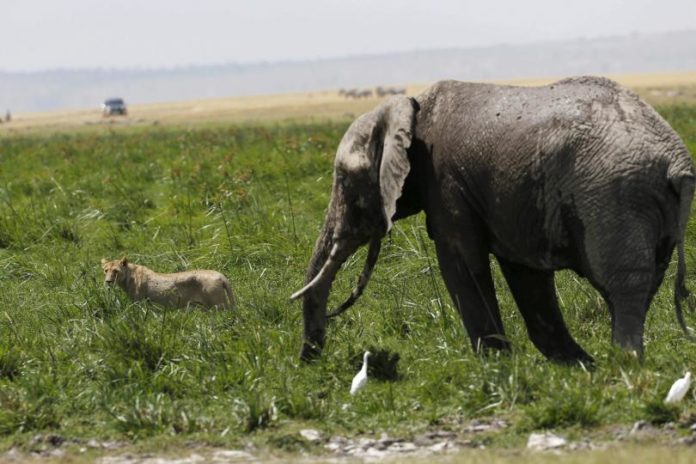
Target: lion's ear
x,y
104,261
124,261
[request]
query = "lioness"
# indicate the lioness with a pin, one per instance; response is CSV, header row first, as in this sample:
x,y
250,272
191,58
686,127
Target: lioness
x,y
178,290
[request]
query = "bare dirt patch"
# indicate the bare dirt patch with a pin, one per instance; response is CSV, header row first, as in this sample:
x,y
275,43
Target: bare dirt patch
x,y
469,443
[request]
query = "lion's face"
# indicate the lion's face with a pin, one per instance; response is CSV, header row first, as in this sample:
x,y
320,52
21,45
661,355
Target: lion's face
x,y
114,271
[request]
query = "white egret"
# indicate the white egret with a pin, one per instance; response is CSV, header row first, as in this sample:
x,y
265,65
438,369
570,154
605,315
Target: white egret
x,y
679,389
360,379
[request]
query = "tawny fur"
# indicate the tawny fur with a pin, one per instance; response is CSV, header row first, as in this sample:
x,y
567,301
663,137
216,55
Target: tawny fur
x,y
178,290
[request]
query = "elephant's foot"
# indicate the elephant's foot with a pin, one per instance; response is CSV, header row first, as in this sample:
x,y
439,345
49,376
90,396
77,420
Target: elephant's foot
x,y
310,352
628,320
571,355
492,344
630,344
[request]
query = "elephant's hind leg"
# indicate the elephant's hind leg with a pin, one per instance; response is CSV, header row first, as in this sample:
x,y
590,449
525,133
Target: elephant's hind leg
x,y
535,295
469,282
629,297
628,270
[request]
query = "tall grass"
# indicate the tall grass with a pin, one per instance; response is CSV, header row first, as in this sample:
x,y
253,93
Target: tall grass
x,y
82,360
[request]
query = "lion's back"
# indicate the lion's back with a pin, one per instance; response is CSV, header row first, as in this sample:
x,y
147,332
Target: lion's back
x,y
202,286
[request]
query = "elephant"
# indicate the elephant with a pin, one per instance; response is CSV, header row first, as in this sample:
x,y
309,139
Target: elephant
x,y
580,174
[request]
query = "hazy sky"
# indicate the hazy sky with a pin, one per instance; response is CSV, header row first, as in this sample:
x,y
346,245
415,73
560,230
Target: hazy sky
x,y
40,34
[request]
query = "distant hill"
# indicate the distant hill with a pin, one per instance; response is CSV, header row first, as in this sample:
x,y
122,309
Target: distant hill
x,y
638,53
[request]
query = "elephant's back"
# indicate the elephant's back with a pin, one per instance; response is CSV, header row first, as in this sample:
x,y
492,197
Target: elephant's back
x,y
511,112
502,137
534,160
484,105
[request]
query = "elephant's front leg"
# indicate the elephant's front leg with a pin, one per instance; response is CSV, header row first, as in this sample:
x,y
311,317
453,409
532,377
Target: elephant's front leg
x,y
467,275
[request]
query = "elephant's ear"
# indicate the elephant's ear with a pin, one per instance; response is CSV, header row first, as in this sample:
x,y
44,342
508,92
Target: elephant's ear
x,y
398,117
375,144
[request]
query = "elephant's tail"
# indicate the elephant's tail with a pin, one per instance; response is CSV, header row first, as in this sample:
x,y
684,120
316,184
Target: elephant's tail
x,y
684,186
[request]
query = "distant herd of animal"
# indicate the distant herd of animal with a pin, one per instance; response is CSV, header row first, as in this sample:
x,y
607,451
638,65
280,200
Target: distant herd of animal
x,y
580,174
379,92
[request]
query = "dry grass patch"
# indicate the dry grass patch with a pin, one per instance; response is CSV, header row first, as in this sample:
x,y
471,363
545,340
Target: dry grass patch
x,y
657,88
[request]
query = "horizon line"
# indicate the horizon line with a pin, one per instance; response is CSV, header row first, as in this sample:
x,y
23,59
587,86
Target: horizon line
x,y
290,61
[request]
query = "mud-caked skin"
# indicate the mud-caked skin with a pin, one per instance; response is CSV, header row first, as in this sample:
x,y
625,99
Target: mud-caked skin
x,y
580,174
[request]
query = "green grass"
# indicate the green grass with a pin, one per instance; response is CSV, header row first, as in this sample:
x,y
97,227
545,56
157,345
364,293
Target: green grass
x,y
83,361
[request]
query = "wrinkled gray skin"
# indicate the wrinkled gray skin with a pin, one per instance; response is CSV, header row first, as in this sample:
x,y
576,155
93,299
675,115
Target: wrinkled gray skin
x,y
580,174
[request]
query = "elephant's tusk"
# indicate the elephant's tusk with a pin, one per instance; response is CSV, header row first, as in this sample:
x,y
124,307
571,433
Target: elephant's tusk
x,y
372,255
320,275
302,291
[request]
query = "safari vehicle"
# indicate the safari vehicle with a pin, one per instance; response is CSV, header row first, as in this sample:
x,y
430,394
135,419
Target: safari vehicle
x,y
114,106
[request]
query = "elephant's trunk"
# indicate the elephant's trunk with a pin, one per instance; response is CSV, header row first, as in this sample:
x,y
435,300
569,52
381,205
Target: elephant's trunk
x,y
325,262
370,261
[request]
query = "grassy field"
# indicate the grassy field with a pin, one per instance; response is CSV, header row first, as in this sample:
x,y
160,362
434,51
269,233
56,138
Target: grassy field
x,y
82,361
